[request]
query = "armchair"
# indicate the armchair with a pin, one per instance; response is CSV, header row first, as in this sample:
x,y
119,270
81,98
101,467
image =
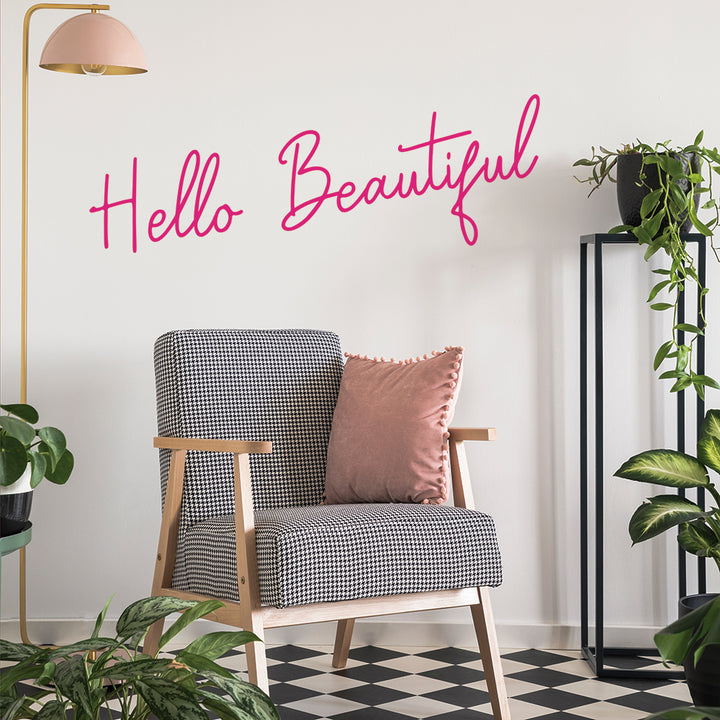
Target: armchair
x,y
244,420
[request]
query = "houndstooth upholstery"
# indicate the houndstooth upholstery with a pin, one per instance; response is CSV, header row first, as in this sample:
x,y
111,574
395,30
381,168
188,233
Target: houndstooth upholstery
x,y
337,552
278,385
282,385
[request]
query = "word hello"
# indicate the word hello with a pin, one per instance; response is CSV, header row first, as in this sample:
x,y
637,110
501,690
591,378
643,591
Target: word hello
x,y
185,219
348,196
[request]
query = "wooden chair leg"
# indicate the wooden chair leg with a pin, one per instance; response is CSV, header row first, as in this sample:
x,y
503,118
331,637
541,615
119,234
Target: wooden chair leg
x,y
257,664
490,652
343,637
152,639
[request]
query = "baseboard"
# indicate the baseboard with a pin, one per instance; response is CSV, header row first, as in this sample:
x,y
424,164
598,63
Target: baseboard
x,y
373,631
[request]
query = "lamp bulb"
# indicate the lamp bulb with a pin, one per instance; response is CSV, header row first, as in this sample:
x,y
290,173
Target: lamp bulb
x,y
94,70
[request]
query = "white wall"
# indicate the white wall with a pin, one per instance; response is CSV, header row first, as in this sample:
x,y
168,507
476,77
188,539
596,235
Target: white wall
x,y
395,278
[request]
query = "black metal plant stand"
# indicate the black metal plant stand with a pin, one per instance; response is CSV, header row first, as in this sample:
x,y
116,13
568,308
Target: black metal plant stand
x,y
597,654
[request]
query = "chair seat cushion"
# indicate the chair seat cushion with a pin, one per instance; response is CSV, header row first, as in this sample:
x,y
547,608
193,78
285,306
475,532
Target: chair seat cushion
x,y
328,553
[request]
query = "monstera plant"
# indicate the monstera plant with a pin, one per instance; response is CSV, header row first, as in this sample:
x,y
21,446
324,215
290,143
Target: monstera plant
x,y
87,679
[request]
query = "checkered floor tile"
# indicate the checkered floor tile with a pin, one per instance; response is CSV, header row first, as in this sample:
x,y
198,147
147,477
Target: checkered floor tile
x,y
449,684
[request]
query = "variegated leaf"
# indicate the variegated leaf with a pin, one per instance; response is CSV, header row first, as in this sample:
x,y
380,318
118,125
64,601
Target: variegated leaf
x,y
71,680
698,539
247,697
659,514
665,467
140,615
708,447
224,709
17,651
83,646
168,700
132,669
53,710
189,616
215,644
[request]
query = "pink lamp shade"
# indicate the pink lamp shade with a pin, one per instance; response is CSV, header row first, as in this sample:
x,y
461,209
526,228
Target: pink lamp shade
x,y
93,44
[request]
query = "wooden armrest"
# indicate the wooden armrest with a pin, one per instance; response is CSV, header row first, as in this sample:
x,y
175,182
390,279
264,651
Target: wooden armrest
x,y
228,446
472,433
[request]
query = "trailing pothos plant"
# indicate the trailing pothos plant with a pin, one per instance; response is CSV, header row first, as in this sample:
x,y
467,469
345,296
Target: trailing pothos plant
x,y
681,187
21,445
79,681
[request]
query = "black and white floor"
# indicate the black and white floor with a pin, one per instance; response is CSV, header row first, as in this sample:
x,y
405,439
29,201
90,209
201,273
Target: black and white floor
x,y
448,684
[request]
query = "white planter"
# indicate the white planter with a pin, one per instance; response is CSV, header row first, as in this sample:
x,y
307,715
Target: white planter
x,y
22,485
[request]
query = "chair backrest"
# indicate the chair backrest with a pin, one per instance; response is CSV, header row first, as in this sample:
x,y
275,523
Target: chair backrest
x,y
277,385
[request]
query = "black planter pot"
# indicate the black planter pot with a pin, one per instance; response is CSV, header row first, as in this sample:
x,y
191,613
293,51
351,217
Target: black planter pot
x,y
630,193
703,679
14,512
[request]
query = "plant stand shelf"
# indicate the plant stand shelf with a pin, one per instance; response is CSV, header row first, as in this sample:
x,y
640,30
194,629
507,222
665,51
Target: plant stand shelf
x,y
598,654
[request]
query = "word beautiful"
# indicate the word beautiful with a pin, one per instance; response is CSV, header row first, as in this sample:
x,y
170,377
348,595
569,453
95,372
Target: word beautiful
x,y
347,197
220,221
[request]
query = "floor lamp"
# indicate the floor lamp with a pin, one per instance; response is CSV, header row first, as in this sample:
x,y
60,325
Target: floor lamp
x,y
90,44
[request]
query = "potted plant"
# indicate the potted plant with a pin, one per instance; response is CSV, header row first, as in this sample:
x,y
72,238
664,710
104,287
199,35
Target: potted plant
x,y
659,189
80,681
27,455
693,639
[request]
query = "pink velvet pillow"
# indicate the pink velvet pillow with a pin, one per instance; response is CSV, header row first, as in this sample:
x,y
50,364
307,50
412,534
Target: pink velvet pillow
x,y
390,429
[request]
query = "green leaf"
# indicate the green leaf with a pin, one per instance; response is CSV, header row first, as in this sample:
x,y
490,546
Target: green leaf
x,y
708,445
215,644
52,710
47,674
683,355
665,467
25,412
657,289
141,614
169,700
681,384
619,229
82,646
661,513
687,327
222,708
18,429
71,680
247,697
661,306
675,640
54,440
11,711
38,463
662,353
137,668
101,618
13,460
62,470
698,539
201,664
17,652
649,202
189,616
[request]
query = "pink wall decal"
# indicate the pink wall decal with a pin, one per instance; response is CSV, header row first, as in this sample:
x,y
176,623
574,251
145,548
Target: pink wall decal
x,y
300,152
220,221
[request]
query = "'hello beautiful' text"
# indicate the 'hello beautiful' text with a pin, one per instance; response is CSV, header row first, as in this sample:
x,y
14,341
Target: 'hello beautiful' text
x,y
196,184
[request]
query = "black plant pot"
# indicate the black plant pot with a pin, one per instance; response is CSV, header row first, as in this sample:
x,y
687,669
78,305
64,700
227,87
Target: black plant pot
x,y
703,679
631,192
14,512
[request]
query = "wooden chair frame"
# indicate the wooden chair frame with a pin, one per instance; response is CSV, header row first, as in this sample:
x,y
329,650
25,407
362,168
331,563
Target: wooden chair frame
x,y
249,614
